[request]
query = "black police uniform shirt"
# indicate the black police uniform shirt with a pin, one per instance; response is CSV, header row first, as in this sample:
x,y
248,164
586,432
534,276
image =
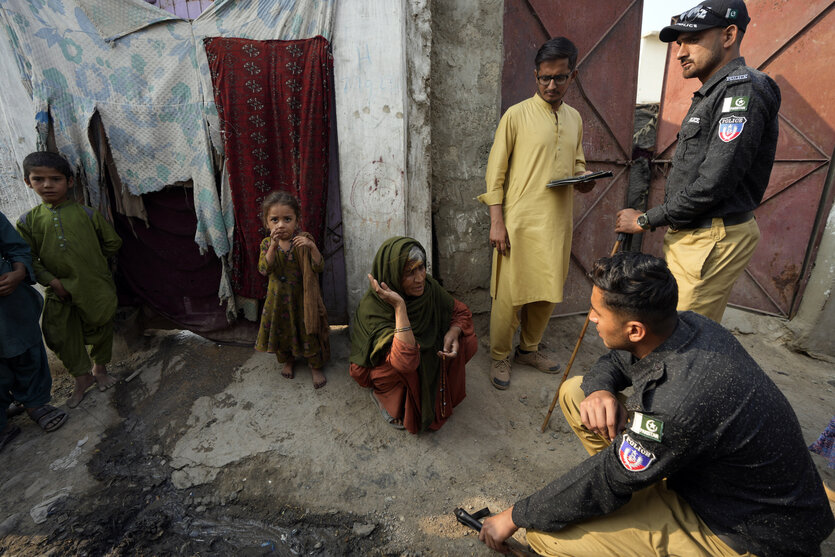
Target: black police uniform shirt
x,y
725,148
706,417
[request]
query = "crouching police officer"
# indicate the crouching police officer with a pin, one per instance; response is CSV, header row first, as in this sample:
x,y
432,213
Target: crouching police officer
x,y
705,457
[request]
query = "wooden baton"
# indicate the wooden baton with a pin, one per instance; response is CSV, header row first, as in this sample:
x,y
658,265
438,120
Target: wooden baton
x,y
615,248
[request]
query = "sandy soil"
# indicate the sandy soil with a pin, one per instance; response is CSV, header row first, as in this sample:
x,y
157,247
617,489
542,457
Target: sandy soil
x,y
209,451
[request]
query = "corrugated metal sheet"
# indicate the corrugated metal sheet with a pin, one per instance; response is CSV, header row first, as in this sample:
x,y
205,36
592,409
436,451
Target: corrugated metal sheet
x,y
607,35
792,42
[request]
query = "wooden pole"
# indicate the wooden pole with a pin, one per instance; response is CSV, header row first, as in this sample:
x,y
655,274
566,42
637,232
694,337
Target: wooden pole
x,y
615,248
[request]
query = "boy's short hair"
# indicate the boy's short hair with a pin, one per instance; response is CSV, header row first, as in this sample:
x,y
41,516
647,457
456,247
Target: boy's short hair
x,y
48,160
638,286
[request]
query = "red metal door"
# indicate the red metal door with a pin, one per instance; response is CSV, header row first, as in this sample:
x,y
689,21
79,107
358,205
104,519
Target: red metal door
x,y
607,35
792,42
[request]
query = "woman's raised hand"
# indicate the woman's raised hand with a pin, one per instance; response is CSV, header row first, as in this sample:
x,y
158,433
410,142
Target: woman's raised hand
x,y
385,293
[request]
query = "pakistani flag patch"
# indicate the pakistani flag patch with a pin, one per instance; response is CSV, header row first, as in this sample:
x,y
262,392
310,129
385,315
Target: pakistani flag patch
x,y
651,428
735,104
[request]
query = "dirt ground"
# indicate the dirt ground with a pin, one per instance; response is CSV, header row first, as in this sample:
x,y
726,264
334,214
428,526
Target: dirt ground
x,y
207,450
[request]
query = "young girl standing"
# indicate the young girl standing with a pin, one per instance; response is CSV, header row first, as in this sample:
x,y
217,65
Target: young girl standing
x,y
294,324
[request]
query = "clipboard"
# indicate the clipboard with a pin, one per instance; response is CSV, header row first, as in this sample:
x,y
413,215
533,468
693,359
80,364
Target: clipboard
x,y
579,179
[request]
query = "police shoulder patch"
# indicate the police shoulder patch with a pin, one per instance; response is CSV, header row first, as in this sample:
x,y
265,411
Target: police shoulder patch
x,y
738,77
633,456
730,127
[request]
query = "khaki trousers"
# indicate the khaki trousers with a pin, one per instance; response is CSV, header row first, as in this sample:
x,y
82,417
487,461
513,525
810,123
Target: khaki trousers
x,y
68,335
656,521
505,319
706,263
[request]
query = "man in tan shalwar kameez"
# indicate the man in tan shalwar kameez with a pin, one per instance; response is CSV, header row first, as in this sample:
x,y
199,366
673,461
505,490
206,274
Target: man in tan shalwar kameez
x,y
538,140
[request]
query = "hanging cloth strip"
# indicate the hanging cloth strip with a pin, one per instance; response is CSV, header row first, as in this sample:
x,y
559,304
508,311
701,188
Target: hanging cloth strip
x,y
272,98
146,88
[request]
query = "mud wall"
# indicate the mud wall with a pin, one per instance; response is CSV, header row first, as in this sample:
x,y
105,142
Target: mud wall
x,y
418,131
815,320
465,99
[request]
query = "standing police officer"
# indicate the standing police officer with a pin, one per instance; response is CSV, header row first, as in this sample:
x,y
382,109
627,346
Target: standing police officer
x,y
722,163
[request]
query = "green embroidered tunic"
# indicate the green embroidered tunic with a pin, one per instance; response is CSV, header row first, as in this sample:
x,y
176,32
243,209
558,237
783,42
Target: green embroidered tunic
x,y
71,242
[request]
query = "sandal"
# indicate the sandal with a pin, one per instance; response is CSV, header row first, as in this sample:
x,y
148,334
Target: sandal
x,y
383,412
14,409
48,417
8,435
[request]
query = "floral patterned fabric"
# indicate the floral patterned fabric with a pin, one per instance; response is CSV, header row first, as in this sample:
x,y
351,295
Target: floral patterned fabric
x,y
825,445
145,87
273,101
282,330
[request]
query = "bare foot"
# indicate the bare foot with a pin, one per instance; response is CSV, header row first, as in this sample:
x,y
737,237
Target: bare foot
x,y
103,380
287,370
319,380
82,383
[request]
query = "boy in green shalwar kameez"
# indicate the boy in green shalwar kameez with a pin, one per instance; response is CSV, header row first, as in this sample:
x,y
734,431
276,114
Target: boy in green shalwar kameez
x,y
70,245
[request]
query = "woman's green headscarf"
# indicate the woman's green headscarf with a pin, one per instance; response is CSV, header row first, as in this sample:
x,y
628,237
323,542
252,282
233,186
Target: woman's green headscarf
x,y
429,314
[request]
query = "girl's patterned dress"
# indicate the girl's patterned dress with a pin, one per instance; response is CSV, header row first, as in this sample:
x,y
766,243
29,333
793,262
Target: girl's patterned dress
x,y
282,329
825,445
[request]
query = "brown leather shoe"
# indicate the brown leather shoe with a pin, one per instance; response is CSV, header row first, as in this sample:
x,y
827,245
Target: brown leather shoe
x,y
538,360
500,373
830,491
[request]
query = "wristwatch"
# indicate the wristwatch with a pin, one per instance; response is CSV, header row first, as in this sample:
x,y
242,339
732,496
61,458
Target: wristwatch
x,y
643,221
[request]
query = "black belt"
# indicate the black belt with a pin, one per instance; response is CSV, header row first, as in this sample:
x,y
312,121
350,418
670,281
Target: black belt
x,y
729,220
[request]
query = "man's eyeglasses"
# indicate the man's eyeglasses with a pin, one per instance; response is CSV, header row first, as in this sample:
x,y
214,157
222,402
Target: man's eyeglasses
x,y
558,79
696,13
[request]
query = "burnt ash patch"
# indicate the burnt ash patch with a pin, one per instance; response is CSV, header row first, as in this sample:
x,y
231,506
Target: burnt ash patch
x,y
137,510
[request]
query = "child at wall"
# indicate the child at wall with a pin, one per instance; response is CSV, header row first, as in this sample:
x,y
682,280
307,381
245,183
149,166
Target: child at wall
x,y
24,371
70,245
294,323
